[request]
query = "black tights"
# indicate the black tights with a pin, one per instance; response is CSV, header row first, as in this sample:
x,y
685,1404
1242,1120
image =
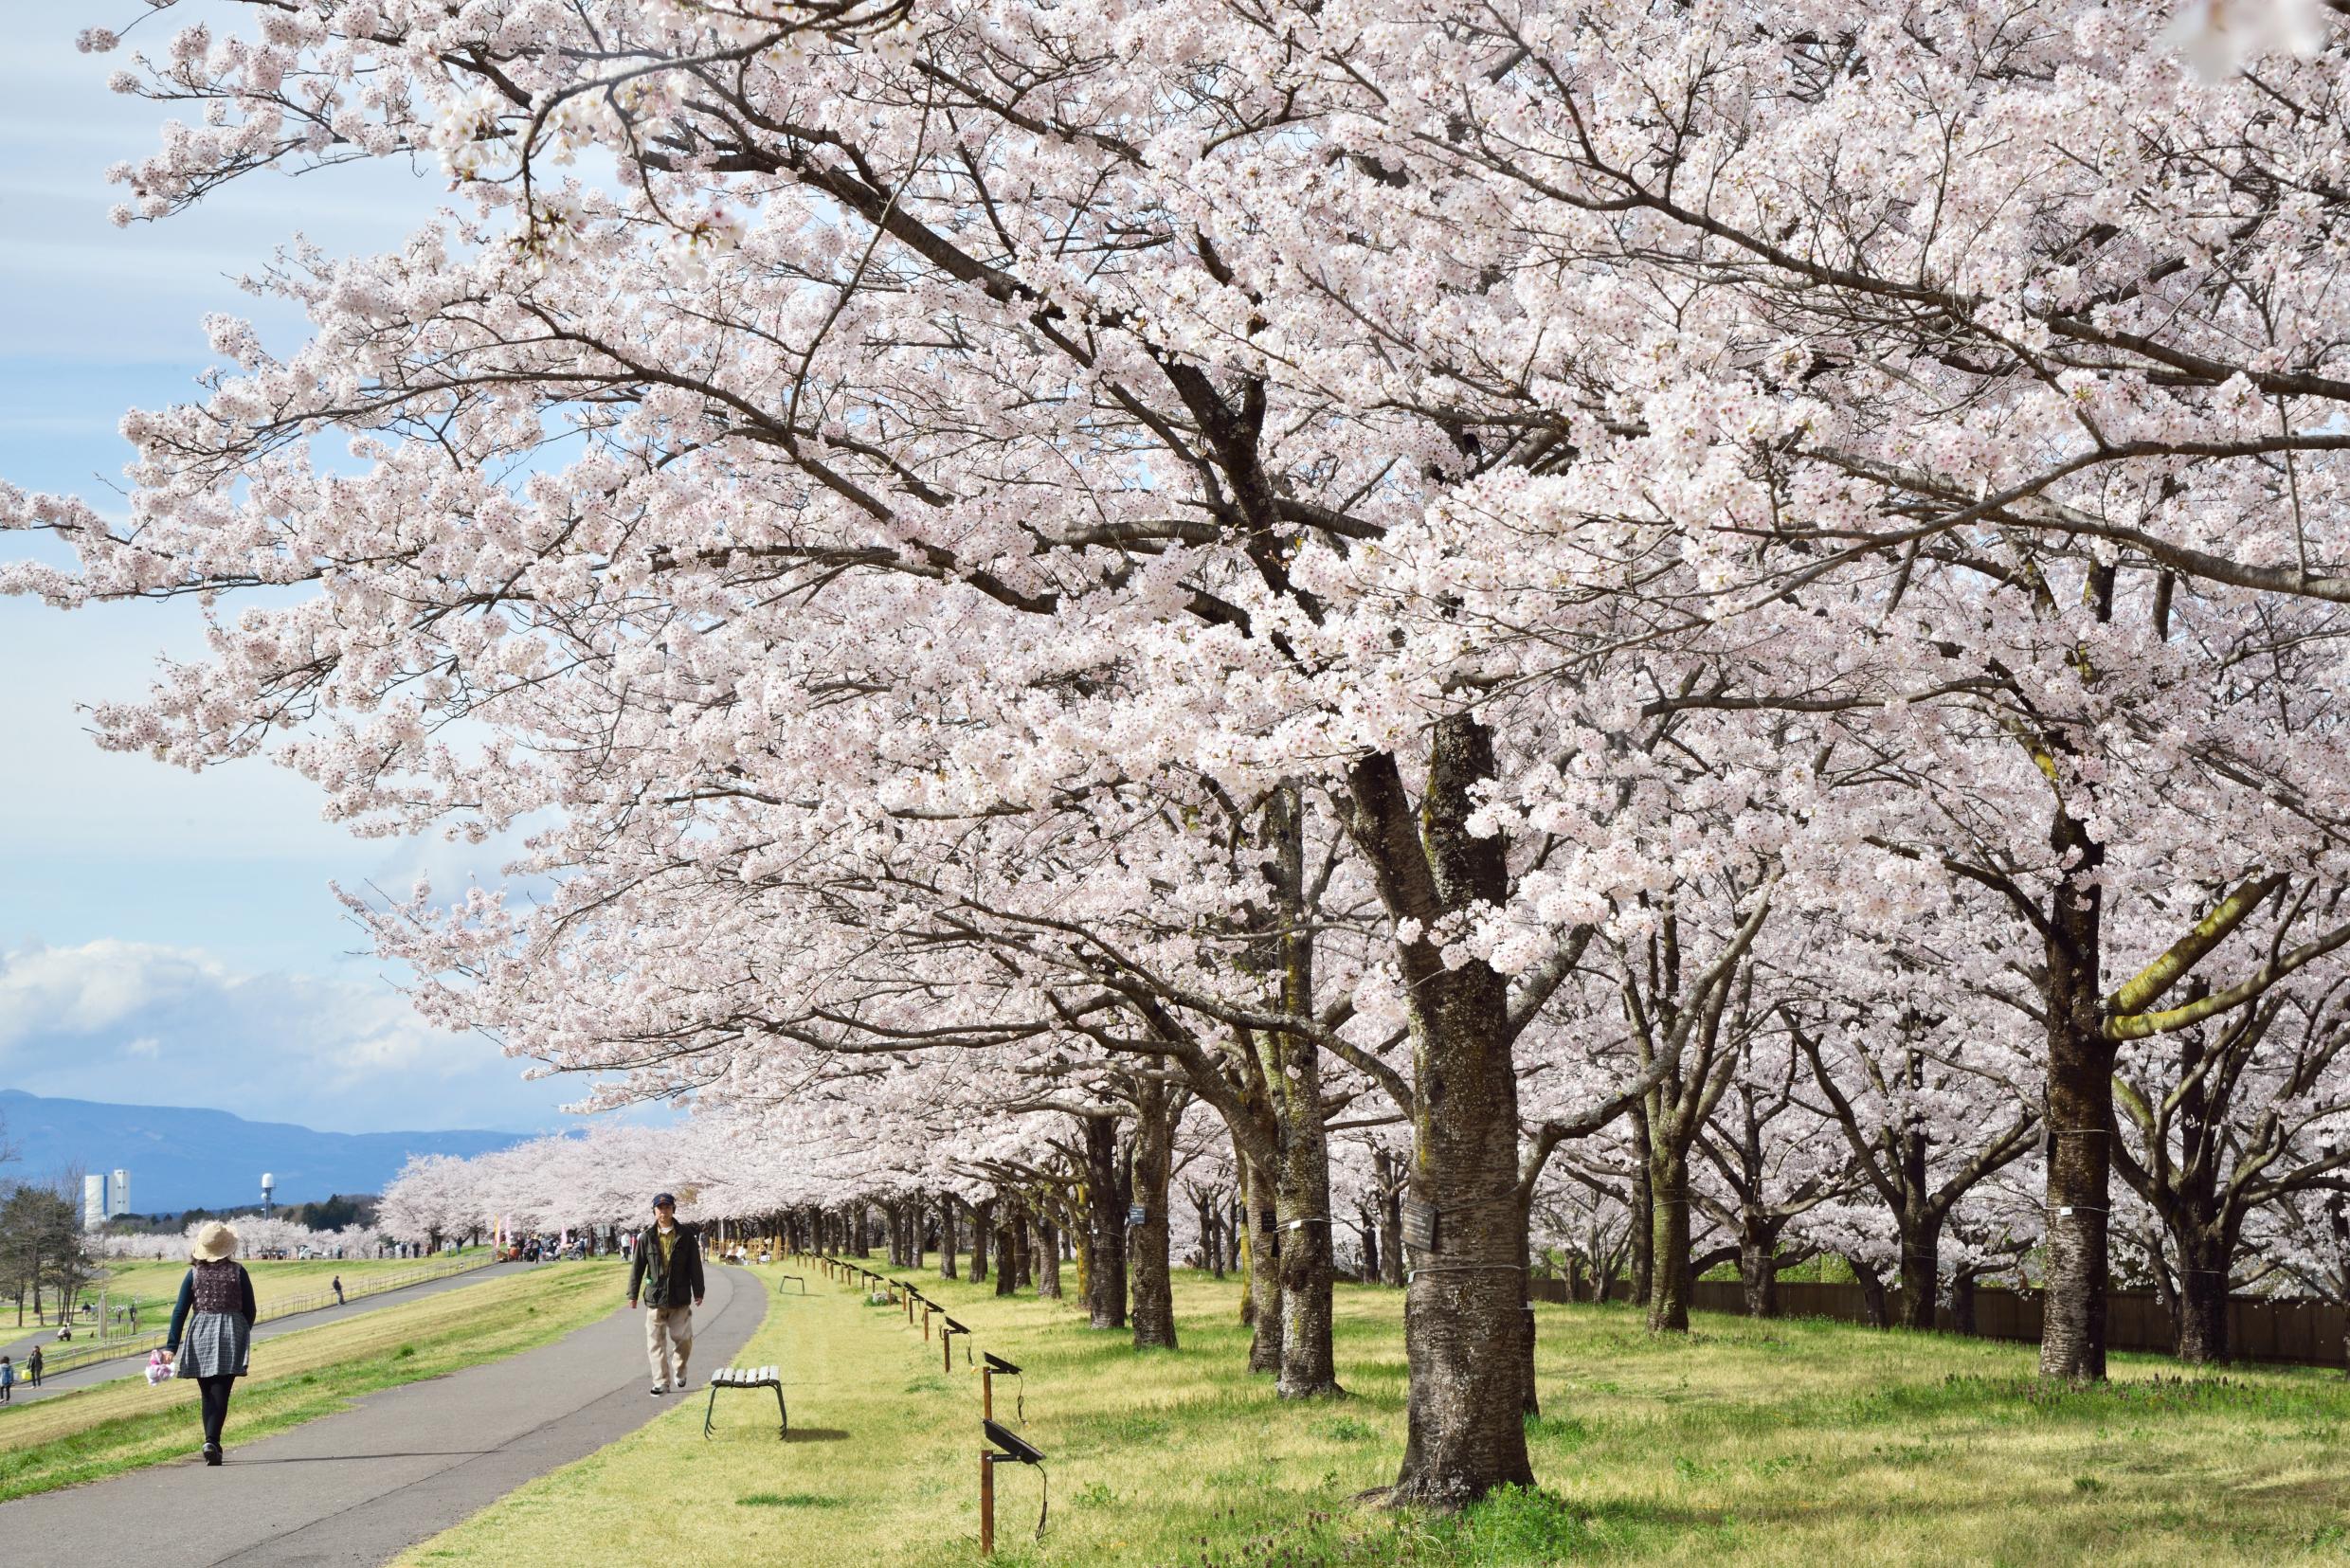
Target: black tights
x,y
214,1391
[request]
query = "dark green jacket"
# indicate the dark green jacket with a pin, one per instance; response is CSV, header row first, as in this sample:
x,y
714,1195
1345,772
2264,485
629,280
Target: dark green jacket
x,y
682,1284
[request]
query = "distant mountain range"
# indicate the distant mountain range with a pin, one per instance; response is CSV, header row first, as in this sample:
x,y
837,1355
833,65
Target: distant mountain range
x,y
183,1158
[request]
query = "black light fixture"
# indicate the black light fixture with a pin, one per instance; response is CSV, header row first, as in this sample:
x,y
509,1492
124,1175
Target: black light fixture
x,y
1011,1444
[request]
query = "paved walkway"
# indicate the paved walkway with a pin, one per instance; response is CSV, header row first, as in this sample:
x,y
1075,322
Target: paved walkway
x,y
364,1486
125,1366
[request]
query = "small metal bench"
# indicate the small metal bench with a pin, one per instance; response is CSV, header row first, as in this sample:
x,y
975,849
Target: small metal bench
x,y
747,1376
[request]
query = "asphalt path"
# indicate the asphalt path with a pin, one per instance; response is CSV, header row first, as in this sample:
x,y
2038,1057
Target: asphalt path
x,y
362,1486
125,1366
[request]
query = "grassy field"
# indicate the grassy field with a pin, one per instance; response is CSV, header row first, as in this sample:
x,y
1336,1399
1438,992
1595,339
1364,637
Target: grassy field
x,y
155,1285
1754,1443
299,1377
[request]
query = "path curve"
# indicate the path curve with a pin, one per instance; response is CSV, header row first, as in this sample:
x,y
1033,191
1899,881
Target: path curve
x,y
361,1487
124,1366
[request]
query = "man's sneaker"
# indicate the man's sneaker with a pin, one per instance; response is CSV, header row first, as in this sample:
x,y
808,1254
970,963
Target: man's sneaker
x,y
211,1454
660,1389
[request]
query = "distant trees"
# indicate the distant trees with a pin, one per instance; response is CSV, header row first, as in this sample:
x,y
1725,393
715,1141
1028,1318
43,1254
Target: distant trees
x,y
40,1249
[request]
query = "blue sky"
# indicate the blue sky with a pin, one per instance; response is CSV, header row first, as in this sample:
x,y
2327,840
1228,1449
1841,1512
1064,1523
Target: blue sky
x,y
165,937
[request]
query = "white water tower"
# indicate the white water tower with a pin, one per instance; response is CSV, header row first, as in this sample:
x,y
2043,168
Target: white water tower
x,y
269,1186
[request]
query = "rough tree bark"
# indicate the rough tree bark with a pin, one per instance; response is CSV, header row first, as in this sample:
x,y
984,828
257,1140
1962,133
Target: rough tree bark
x,y
1153,1279
1104,1224
1390,1217
1464,1322
1048,1257
2079,1115
946,1236
1643,1219
1669,1240
1293,1075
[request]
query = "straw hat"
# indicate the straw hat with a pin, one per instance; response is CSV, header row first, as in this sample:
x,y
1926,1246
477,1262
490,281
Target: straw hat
x,y
212,1243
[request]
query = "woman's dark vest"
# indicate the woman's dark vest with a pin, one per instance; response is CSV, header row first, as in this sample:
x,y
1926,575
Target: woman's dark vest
x,y
219,1287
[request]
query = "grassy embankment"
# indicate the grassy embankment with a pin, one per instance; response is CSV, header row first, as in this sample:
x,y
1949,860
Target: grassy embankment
x,y
1783,1442
154,1284
299,1377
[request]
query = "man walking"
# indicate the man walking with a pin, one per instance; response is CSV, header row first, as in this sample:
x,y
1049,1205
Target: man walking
x,y
338,1289
668,1266
32,1366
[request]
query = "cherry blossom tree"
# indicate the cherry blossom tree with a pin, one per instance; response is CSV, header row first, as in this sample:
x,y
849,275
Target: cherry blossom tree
x,y
1214,445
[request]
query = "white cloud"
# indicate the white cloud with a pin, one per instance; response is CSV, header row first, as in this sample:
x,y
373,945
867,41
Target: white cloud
x,y
145,1024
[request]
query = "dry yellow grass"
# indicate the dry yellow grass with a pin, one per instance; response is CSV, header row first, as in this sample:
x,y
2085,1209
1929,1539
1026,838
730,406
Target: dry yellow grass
x,y
1781,1443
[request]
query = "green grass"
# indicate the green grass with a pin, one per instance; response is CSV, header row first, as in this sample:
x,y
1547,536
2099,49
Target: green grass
x,y
125,1425
1786,1442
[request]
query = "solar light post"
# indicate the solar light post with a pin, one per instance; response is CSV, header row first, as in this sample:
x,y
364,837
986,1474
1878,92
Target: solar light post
x,y
1002,1443
995,1365
945,1342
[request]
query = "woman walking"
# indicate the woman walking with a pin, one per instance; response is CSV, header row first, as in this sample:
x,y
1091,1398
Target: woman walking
x,y
215,1311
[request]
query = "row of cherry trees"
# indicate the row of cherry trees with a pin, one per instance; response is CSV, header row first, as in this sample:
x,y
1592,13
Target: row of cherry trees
x,y
1734,610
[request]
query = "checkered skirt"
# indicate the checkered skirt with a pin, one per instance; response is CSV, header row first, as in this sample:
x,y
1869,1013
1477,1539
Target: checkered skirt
x,y
215,1346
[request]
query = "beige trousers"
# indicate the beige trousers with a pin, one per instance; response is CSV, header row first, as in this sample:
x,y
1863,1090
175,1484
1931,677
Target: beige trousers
x,y
667,1329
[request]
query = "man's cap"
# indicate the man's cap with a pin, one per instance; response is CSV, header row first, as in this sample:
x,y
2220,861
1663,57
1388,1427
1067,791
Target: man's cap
x,y
662,1198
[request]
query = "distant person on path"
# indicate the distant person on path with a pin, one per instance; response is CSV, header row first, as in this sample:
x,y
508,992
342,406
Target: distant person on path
x,y
215,1311
32,1367
338,1289
669,1268
8,1378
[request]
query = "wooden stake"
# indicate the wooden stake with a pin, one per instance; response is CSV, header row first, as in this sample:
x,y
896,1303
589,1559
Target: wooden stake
x,y
988,1393
986,1503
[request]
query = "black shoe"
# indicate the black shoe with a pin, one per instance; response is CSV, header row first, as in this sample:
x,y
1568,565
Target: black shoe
x,y
211,1454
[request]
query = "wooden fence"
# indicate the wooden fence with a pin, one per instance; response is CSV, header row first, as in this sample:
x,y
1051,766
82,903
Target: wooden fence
x,y
2305,1333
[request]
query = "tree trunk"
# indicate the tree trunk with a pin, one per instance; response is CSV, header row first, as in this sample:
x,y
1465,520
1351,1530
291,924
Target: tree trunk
x,y
2201,1325
1007,1248
1643,1217
946,1236
1105,1225
1024,1245
1963,1303
860,1230
2080,1120
1391,1219
1669,1257
1048,1259
1154,1285
1464,1314
1368,1273
1260,1240
1921,1269
982,1230
1292,1073
1872,1292
1758,1269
